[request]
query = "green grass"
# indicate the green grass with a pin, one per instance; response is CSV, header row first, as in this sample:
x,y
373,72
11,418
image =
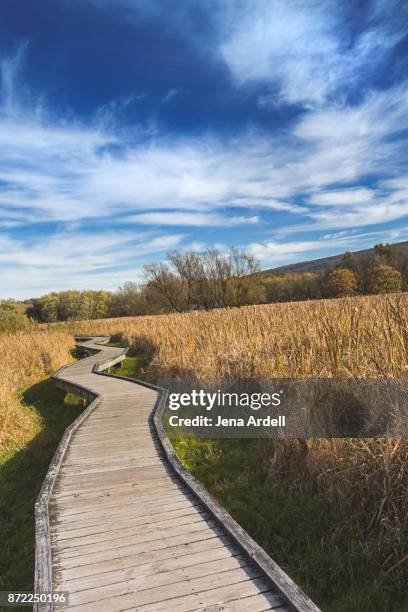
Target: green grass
x,y
78,353
133,366
21,475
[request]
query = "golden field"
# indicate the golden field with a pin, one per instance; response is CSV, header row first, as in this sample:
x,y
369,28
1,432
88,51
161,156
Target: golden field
x,y
26,358
363,336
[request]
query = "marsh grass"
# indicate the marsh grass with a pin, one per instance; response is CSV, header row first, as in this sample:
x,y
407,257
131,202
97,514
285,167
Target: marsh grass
x,y
26,358
364,336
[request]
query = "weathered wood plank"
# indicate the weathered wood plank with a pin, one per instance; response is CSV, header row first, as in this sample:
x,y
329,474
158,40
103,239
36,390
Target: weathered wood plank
x,y
152,569
80,550
158,586
134,550
89,493
112,503
108,517
232,592
159,595
106,531
147,556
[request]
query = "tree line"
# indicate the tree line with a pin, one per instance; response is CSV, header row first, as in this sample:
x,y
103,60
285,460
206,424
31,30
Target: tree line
x,y
211,279
384,271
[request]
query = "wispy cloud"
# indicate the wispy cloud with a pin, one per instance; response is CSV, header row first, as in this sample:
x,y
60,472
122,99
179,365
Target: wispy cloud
x,y
40,158
9,70
302,48
180,218
273,253
172,93
343,197
77,259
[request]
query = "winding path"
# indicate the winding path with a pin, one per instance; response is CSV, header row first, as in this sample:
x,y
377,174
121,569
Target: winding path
x,y
121,525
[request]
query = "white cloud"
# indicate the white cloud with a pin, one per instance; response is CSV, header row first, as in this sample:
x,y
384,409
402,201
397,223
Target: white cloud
x,y
272,250
172,93
190,218
77,260
372,214
273,253
301,48
69,173
344,197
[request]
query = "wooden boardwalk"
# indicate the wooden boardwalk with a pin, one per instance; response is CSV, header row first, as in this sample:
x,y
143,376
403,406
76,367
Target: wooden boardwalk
x,y
121,526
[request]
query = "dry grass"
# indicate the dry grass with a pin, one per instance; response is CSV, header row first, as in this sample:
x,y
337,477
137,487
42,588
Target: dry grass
x,y
27,358
366,336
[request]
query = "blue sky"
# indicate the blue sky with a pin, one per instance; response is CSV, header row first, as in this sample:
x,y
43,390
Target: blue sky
x,y
129,128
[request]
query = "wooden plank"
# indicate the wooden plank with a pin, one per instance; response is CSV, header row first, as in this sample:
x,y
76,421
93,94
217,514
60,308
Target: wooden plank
x,y
126,526
121,564
106,500
115,541
103,451
95,433
150,569
86,469
136,487
145,475
114,504
109,516
254,603
136,550
104,522
115,468
215,596
92,462
180,595
162,583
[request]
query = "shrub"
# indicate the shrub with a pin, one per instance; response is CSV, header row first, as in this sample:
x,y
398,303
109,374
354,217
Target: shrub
x,y
341,282
13,317
384,279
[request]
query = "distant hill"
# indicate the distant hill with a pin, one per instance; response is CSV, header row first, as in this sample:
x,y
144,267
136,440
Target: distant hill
x,y
326,263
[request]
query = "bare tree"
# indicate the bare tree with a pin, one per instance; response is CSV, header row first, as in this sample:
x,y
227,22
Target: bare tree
x,y
243,268
218,270
205,280
189,268
163,284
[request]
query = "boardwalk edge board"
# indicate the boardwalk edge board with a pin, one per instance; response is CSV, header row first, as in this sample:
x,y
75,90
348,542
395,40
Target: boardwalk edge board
x,y
290,591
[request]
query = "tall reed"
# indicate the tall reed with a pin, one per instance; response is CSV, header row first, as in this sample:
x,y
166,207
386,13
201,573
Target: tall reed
x,y
364,336
26,359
